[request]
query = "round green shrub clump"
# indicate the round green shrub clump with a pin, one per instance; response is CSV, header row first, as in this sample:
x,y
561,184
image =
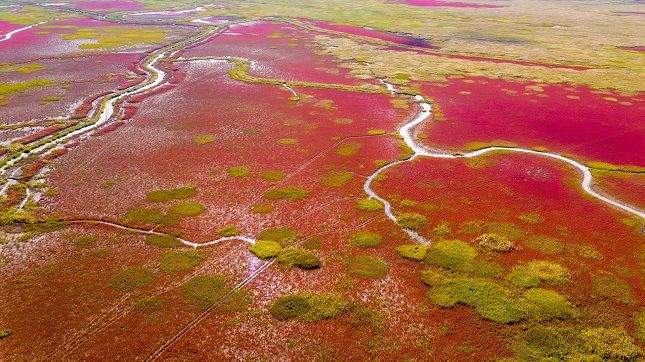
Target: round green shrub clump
x,y
544,244
171,194
411,220
369,205
365,239
546,305
180,260
239,171
229,230
4,333
489,299
454,255
495,242
299,258
367,266
289,306
266,249
164,241
533,273
308,307
203,291
287,193
281,235
609,287
132,278
188,209
412,251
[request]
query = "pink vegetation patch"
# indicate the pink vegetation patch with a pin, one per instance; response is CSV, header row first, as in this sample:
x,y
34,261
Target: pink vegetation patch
x,y
117,4
6,27
448,4
592,125
371,33
639,48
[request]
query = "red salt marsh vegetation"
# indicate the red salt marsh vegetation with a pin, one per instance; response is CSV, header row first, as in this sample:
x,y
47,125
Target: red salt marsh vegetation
x,y
592,125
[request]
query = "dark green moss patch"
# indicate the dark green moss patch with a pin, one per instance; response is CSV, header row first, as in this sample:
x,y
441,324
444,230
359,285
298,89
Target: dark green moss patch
x,y
171,194
164,241
365,239
366,266
132,278
262,209
180,260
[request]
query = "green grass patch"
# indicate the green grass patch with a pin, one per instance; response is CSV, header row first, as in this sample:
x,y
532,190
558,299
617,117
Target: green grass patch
x,y
508,230
5,332
302,259
415,252
164,241
132,278
484,269
376,132
575,344
180,260
152,217
313,243
494,242
546,305
348,149
85,241
148,305
337,178
534,273
188,209
411,220
489,299
453,255
262,209
367,266
287,193
265,249
365,239
607,286
229,230
202,139
203,291
288,141
544,244
308,307
164,195
281,235
273,176
239,171
639,324
369,205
